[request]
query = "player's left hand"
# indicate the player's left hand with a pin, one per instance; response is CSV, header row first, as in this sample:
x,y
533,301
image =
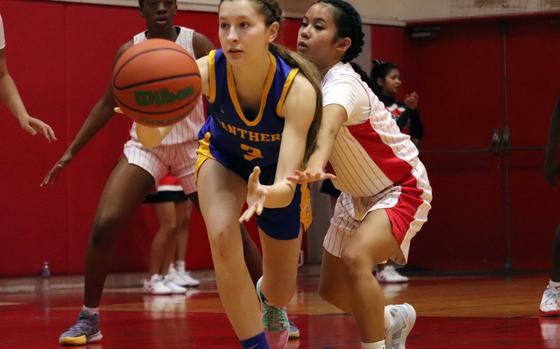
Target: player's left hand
x,y
34,126
256,195
310,175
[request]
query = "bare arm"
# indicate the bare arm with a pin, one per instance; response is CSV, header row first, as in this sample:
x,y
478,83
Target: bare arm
x,y
203,68
201,45
334,116
97,118
9,95
298,112
551,167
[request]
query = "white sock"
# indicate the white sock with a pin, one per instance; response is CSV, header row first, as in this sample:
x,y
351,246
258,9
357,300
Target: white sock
x,y
554,284
171,269
92,311
180,266
376,345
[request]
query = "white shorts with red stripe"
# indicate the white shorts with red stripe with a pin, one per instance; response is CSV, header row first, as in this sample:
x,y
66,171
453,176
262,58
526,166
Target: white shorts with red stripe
x,y
175,159
407,205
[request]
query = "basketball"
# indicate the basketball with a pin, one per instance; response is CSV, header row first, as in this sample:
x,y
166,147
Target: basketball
x,y
156,82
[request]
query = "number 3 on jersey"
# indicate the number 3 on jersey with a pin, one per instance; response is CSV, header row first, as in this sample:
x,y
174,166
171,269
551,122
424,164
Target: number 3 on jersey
x,y
251,153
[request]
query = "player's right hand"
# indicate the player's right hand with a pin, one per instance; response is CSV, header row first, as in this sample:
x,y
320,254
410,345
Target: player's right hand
x,y
33,126
53,173
256,196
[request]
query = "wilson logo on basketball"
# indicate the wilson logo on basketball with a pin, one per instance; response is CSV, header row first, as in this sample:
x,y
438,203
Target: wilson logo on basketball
x,y
161,97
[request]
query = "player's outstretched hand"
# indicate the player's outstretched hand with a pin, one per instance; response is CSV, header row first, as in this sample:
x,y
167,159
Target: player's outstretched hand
x,y
256,195
33,126
310,175
53,173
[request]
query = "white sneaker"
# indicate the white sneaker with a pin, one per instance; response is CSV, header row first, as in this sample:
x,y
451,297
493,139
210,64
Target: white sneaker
x,y
185,279
403,318
169,281
155,285
550,302
390,275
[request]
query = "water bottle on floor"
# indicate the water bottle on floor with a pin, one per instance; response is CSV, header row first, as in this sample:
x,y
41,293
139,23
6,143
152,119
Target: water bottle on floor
x,y
45,271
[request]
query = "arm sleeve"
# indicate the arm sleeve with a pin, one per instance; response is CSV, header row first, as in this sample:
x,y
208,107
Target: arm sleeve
x,y
2,37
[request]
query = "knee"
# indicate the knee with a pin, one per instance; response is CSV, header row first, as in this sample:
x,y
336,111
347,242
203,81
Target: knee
x,y
168,230
221,244
356,263
104,230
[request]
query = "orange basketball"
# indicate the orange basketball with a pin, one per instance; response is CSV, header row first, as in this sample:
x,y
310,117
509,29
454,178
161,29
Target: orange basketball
x,y
156,82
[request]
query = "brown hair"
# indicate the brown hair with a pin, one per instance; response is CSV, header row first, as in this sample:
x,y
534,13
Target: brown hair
x,y
272,12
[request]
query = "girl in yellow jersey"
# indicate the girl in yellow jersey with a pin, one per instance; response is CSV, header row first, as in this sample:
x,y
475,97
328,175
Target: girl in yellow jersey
x,y
264,108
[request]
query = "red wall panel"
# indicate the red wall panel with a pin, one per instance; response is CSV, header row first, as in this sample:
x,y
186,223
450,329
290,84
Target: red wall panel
x,y
32,230
497,209
458,75
533,48
61,56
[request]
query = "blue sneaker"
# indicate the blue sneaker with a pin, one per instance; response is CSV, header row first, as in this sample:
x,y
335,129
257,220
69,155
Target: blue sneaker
x,y
293,331
275,322
85,330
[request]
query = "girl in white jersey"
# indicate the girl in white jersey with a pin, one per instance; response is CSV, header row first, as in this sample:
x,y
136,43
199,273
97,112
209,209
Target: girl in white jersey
x,y
385,190
136,173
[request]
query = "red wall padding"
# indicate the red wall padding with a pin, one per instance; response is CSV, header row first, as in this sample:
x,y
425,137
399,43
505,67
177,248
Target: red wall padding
x,y
60,55
489,210
533,48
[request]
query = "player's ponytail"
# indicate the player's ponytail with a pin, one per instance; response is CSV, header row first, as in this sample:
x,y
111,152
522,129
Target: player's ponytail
x,y
312,74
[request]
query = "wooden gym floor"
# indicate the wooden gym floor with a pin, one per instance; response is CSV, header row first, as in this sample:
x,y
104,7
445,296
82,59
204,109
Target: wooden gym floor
x,y
453,312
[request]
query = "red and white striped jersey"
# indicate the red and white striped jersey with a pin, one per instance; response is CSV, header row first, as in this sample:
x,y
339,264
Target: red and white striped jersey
x,y
187,129
2,36
370,154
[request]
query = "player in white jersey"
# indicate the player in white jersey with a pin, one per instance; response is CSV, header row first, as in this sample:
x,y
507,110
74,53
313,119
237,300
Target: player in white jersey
x,y
9,95
385,190
136,173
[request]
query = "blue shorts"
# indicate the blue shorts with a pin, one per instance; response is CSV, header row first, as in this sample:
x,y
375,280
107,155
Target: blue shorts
x,y
278,223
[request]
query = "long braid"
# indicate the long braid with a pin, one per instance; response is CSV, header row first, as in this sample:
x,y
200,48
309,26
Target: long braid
x,y
363,75
349,24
